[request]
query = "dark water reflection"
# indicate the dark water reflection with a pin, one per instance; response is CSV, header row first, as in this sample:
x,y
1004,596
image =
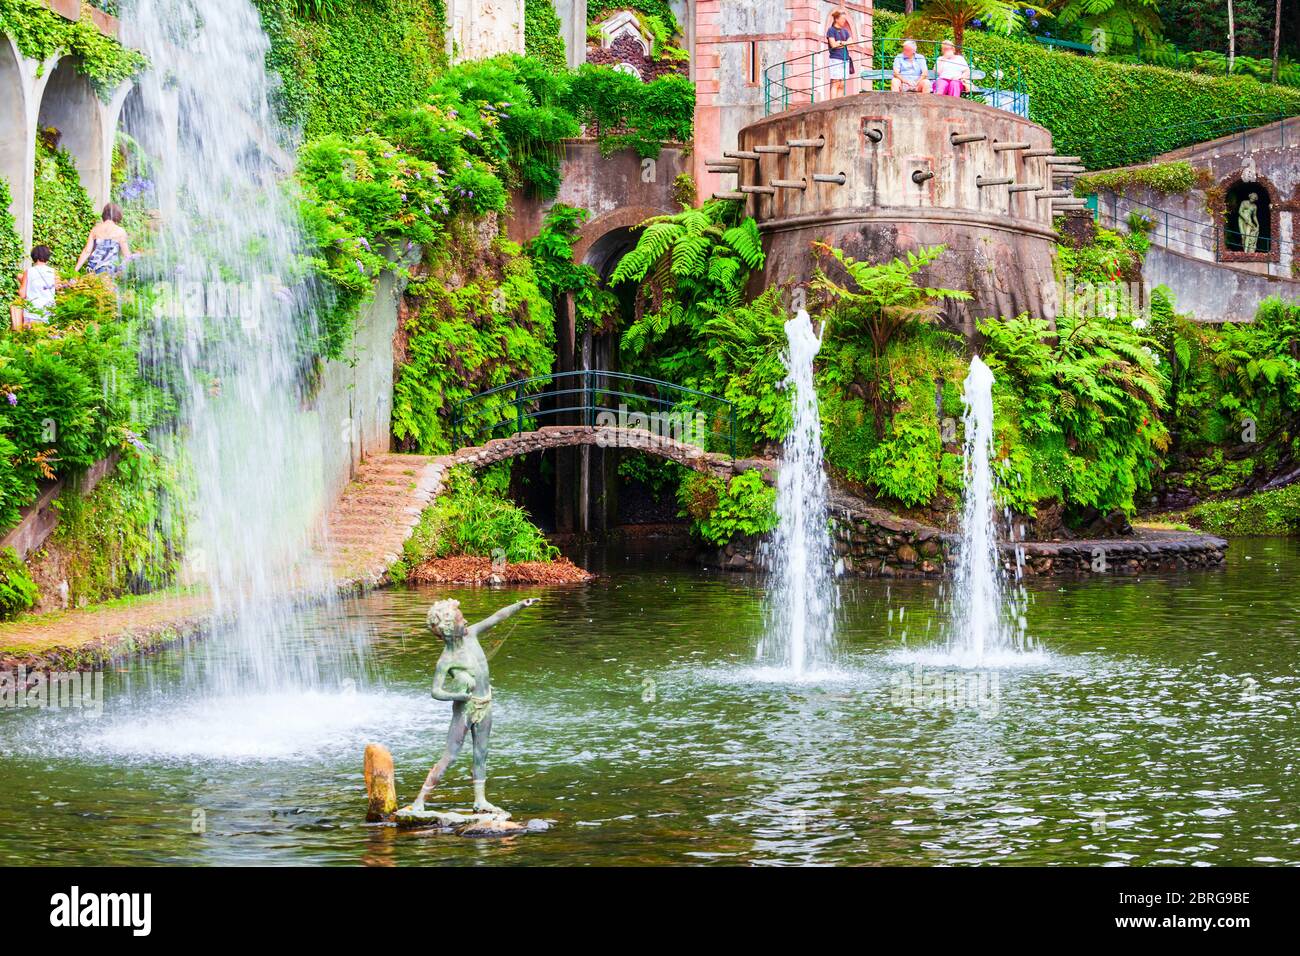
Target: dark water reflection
x,y
1159,727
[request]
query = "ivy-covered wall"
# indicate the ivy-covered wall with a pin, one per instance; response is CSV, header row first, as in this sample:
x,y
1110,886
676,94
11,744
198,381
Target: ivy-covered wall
x,y
355,61
62,214
40,33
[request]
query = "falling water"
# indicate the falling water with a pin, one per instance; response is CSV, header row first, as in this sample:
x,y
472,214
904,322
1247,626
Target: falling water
x,y
987,620
231,317
800,632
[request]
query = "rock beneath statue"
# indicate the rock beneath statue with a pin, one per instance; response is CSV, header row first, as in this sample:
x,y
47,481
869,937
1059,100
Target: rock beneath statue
x,y
466,823
381,794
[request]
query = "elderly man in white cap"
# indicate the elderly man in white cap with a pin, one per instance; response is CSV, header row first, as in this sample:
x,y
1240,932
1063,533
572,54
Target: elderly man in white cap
x,y
911,74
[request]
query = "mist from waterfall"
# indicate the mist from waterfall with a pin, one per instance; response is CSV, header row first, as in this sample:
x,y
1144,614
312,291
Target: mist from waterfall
x,y
799,637
230,319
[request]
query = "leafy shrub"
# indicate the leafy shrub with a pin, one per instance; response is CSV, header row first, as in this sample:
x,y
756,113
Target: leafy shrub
x,y
631,114
720,511
18,592
356,62
40,33
542,40
1173,178
1266,513
12,253
1084,401
492,328
472,518
558,275
70,393
124,536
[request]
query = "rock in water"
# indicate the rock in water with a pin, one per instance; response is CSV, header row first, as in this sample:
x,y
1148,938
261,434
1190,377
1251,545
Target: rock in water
x,y
381,791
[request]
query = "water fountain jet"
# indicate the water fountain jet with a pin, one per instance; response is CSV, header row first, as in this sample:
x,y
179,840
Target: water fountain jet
x,y
800,632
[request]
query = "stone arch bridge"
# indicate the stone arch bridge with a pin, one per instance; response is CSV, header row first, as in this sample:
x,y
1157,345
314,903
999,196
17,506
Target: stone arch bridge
x,y
379,510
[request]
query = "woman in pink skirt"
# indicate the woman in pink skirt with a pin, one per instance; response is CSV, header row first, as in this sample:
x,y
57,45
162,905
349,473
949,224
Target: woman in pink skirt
x,y
951,71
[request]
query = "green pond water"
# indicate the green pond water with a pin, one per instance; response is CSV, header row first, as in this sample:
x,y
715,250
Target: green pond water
x,y
1158,726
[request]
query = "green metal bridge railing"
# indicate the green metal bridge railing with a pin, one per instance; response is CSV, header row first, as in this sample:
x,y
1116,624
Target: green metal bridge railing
x,y
598,397
807,78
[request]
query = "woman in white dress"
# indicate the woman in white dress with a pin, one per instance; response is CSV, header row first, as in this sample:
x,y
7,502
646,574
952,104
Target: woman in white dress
x,y
36,288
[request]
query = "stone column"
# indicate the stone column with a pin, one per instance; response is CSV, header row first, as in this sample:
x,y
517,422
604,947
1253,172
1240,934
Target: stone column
x,y
573,29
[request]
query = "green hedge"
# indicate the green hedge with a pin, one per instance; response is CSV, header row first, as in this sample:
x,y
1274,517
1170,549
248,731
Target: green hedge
x,y
12,253
362,59
1106,111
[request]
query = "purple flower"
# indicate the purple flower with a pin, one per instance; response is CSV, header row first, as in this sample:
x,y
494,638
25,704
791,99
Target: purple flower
x,y
13,399
364,243
360,267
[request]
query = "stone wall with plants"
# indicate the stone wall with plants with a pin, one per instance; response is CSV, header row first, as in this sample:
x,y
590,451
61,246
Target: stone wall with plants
x,y
40,33
343,62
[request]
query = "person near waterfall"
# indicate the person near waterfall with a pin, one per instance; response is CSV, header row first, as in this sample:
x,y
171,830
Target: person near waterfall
x,y
107,247
36,288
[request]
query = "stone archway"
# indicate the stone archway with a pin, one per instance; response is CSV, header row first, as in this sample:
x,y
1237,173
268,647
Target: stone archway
x,y
1231,192
70,105
15,164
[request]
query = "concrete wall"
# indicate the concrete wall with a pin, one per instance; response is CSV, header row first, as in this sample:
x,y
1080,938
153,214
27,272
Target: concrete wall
x,y
354,403
1000,244
1189,253
618,190
1214,293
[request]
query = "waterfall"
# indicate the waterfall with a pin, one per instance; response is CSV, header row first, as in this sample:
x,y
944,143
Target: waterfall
x,y
986,617
800,632
231,316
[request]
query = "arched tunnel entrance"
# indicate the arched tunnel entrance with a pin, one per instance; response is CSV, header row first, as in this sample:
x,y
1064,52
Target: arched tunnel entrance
x,y
575,490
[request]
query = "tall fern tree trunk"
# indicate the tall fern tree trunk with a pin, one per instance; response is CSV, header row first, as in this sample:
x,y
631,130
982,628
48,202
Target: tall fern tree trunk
x,y
1232,37
1277,36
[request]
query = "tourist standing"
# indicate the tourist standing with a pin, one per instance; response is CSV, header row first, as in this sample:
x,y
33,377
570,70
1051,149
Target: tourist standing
x,y
838,38
107,247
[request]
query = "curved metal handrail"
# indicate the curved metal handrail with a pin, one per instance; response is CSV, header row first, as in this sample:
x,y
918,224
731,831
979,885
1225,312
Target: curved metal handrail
x,y
582,396
807,78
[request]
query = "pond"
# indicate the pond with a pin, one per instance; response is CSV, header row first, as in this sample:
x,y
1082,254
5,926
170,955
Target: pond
x,y
1157,725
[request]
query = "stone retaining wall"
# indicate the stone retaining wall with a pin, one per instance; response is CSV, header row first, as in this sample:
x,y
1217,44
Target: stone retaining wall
x,y
872,542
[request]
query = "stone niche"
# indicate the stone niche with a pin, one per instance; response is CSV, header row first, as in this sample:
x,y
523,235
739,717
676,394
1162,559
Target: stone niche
x,y
478,29
625,44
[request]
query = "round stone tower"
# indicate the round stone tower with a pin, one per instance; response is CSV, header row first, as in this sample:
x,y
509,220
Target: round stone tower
x,y
881,174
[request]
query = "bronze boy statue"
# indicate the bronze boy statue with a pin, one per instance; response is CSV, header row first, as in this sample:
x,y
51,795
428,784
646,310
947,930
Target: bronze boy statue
x,y
462,678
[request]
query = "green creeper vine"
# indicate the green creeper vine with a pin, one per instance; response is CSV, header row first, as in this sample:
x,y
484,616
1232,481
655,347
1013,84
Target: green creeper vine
x,y
40,33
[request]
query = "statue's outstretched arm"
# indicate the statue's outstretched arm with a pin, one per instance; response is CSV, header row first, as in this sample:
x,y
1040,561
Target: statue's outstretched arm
x,y
506,612
440,691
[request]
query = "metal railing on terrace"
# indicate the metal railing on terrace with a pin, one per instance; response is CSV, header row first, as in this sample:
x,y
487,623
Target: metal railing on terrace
x,y
1253,131
1171,229
806,79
